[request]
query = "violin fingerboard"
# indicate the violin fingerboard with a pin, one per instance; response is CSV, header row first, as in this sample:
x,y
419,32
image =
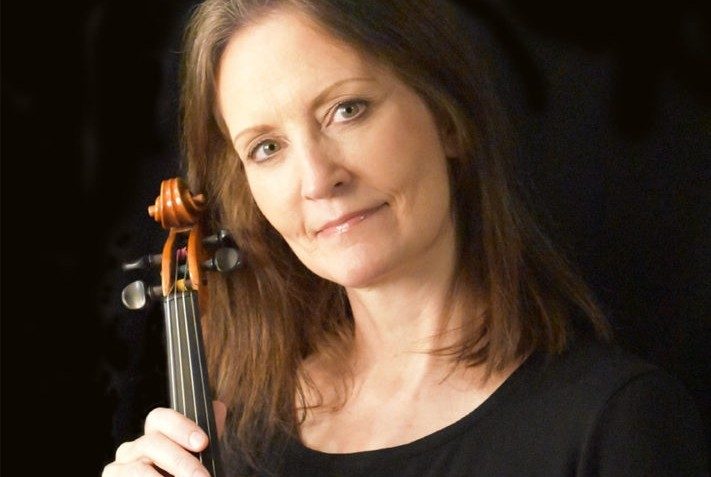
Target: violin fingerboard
x,y
187,371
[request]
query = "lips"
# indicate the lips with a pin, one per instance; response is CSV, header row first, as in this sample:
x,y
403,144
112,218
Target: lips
x,y
345,222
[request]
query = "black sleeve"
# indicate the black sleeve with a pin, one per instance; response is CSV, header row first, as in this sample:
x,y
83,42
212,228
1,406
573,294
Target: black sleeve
x,y
649,427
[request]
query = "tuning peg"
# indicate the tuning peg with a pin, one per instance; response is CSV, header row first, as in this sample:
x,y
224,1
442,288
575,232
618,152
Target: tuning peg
x,y
225,260
220,238
136,295
143,263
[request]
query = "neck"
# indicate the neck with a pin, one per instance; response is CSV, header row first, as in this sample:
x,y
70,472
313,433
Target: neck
x,y
412,312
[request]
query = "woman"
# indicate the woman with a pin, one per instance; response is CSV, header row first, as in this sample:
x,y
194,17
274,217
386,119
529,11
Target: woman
x,y
400,313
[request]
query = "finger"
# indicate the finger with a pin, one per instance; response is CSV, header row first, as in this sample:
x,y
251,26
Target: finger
x,y
220,410
177,427
157,449
132,469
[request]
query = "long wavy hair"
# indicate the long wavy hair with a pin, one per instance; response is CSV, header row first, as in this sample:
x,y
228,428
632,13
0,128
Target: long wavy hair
x,y
266,318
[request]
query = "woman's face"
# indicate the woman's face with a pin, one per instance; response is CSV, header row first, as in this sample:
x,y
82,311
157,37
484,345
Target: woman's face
x,y
342,158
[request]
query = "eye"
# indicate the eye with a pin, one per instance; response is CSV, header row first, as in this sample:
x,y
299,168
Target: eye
x,y
264,150
349,110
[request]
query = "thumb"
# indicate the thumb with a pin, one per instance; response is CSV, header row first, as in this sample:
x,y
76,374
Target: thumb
x,y
220,410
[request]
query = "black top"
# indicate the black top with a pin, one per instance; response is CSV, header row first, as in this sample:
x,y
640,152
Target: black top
x,y
593,411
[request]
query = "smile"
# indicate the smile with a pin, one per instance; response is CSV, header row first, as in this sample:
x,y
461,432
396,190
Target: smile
x,y
346,222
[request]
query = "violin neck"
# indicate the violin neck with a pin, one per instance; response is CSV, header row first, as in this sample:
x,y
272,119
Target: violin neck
x,y
187,371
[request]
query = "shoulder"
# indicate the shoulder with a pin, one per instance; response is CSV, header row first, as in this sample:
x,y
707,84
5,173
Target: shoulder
x,y
591,365
649,426
630,417
583,378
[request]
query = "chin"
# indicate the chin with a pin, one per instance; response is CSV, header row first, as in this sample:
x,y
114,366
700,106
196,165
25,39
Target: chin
x,y
358,267
362,276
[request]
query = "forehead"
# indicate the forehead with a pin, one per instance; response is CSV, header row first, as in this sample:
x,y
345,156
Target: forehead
x,y
283,54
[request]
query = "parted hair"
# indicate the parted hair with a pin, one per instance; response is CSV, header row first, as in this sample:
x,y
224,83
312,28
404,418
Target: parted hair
x,y
266,318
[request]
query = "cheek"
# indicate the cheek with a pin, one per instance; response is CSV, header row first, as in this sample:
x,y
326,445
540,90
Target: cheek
x,y
407,157
420,178
270,195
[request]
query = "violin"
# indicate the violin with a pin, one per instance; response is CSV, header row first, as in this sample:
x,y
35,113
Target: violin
x,y
187,252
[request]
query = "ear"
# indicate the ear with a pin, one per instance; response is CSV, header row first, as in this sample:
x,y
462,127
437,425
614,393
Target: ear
x,y
451,143
450,139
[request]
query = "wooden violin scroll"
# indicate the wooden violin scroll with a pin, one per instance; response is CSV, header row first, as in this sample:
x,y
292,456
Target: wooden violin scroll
x,y
176,207
178,211
184,257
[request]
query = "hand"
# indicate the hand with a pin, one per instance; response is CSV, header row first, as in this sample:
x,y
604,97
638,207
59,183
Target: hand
x,y
167,446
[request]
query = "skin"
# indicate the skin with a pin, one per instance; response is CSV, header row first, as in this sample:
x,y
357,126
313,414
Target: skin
x,y
347,163
167,443
342,158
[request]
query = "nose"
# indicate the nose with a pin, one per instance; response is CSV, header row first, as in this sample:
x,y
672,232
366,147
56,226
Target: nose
x,y
323,173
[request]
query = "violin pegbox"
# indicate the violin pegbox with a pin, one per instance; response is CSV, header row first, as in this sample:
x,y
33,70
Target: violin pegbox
x,y
186,252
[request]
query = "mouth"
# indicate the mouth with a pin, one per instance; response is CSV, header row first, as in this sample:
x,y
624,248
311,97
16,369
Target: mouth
x,y
346,222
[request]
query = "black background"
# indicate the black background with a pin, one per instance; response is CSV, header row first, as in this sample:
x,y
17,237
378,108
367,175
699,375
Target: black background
x,y
613,107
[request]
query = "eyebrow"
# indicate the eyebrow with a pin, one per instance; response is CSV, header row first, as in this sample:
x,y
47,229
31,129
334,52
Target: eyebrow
x,y
317,101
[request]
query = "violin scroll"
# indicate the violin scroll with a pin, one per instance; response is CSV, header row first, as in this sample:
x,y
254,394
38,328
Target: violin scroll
x,y
186,251
176,207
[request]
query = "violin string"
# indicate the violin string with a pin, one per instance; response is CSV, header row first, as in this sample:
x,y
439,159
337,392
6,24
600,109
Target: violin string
x,y
180,338
189,347
171,353
203,384
188,296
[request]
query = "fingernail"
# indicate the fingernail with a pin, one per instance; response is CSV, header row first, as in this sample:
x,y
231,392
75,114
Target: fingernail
x,y
197,439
